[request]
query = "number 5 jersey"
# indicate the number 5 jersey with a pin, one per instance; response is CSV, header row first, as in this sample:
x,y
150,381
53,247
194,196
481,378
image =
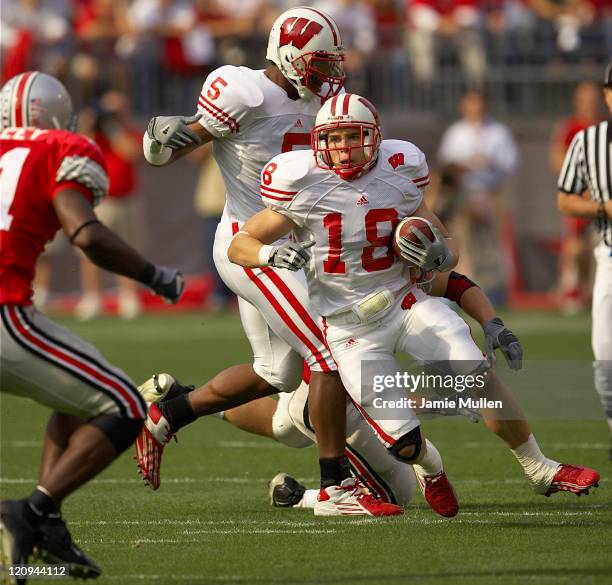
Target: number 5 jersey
x,y
255,120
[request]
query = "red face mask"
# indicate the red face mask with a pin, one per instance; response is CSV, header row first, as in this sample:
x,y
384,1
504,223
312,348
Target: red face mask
x,y
322,73
369,141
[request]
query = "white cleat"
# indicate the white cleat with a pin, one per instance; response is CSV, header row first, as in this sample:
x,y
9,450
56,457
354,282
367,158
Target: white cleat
x,y
156,387
350,498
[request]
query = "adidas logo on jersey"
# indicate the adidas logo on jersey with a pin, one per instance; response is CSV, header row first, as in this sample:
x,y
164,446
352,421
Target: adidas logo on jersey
x,y
299,124
363,200
352,342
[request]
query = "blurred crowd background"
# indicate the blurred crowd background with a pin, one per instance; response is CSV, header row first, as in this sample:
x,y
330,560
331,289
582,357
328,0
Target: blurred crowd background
x,y
491,90
419,53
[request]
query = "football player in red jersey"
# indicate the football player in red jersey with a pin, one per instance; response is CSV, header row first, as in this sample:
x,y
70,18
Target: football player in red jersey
x,y
51,178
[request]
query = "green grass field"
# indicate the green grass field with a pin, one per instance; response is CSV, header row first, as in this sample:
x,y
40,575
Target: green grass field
x,y
211,521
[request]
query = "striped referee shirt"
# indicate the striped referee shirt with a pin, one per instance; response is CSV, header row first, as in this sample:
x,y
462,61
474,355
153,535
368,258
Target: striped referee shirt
x,y
588,165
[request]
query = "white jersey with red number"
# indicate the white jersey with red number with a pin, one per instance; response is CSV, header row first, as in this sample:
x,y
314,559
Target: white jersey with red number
x,y
253,120
350,221
35,165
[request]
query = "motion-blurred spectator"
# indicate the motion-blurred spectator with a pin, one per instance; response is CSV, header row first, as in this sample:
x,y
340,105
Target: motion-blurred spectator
x,y
439,30
389,18
169,44
512,28
111,128
576,260
31,36
44,270
357,24
568,19
98,24
477,155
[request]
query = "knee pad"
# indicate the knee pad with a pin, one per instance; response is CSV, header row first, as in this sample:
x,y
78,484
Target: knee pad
x,y
410,439
285,375
284,428
121,431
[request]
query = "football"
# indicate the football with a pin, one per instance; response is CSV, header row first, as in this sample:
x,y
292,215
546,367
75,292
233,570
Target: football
x,y
403,230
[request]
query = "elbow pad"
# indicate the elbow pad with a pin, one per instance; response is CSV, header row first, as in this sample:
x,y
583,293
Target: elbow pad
x,y
456,286
154,152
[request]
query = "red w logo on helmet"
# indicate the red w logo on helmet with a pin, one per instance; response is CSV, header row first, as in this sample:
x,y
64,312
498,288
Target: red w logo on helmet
x,y
396,160
298,31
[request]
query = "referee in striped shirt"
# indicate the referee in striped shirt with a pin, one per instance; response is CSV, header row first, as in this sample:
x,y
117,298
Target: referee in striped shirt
x,y
588,167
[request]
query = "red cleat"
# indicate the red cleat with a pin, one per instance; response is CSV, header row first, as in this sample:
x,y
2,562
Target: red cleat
x,y
439,493
574,479
150,445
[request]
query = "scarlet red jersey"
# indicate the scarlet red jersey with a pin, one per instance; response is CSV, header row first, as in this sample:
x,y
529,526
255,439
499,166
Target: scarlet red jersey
x,y
35,165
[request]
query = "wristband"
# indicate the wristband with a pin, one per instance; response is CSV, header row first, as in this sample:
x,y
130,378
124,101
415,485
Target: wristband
x,y
81,227
148,274
457,284
264,255
154,152
601,211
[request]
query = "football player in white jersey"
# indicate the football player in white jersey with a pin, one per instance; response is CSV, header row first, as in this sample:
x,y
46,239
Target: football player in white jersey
x,y
287,420
346,201
252,116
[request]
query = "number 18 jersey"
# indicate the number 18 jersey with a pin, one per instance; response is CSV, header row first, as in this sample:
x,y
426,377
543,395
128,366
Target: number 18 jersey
x,y
253,120
352,222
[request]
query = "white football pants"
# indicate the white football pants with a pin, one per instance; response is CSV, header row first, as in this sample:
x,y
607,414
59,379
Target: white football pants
x,y
601,335
418,325
385,476
275,314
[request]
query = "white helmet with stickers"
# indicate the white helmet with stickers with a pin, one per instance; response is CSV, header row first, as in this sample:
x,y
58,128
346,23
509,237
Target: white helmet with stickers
x,y
347,111
35,99
305,44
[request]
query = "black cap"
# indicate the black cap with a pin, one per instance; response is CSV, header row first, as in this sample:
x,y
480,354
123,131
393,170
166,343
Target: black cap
x,y
608,77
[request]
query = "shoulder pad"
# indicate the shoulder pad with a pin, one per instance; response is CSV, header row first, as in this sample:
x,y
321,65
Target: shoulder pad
x,y
228,95
405,159
284,176
81,161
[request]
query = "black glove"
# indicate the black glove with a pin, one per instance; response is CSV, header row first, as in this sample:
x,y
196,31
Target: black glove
x,y
173,131
168,283
497,335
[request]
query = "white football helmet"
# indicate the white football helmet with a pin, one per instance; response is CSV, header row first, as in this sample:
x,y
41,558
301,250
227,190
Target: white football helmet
x,y
35,99
347,110
305,44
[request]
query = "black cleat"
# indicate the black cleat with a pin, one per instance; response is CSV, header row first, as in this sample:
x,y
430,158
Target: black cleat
x,y
55,545
18,538
285,491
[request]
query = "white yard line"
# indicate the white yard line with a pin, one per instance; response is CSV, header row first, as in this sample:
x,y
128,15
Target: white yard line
x,y
470,577
27,444
255,481
249,445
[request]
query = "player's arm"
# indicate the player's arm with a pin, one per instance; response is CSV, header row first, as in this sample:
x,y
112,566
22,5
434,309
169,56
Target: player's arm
x,y
443,253
107,250
168,138
472,299
573,183
251,245
574,205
